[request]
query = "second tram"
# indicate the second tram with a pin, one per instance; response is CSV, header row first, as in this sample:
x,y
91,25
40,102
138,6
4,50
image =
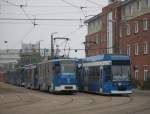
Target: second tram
x,y
106,74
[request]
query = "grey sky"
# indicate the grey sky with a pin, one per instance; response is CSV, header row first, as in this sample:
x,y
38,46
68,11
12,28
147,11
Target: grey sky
x,y
17,31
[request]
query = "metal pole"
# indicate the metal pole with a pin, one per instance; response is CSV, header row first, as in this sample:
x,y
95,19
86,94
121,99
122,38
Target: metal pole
x,y
52,46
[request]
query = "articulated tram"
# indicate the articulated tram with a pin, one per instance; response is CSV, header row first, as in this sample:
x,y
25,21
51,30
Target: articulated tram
x,y
106,74
57,75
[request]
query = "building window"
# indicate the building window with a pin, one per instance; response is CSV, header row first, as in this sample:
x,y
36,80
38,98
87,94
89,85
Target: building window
x,y
136,74
145,3
145,47
139,7
120,51
120,31
146,72
136,49
97,39
128,50
148,3
128,29
145,24
136,27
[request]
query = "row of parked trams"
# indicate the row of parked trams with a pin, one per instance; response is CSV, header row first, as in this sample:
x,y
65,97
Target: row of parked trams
x,y
105,74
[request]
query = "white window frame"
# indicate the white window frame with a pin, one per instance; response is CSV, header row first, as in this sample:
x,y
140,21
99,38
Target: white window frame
x,y
120,31
148,3
136,50
129,50
145,47
136,27
145,24
97,39
128,29
146,72
136,73
139,5
145,4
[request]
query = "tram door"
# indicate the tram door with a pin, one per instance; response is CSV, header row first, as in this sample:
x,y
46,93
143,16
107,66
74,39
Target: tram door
x,y
86,79
101,79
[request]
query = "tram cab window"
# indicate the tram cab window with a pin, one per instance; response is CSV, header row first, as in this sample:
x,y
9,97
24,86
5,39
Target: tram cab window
x,y
68,67
121,72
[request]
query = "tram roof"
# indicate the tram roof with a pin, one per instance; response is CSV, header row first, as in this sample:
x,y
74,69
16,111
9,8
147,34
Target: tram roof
x,y
107,57
57,60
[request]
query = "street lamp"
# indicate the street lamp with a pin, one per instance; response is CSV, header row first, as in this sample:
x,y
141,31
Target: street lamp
x,y
39,45
52,44
6,42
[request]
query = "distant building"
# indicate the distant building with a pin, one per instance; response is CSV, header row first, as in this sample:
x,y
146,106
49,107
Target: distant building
x,y
8,59
27,48
123,27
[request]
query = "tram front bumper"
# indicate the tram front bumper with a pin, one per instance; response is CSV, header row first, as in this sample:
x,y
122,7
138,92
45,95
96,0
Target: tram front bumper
x,y
121,92
66,88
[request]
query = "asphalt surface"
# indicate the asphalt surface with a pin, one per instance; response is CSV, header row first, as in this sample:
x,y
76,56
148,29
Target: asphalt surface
x,y
18,100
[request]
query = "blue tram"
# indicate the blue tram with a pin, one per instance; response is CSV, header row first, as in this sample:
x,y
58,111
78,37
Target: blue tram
x,y
58,75
106,74
31,76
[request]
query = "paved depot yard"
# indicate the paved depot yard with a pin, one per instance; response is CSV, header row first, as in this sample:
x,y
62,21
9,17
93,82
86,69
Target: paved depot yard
x,y
16,100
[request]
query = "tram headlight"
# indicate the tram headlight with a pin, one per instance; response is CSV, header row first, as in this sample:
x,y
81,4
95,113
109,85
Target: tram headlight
x,y
119,84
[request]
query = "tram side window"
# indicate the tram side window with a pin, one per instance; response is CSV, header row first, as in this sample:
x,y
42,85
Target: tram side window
x,y
94,73
56,68
107,73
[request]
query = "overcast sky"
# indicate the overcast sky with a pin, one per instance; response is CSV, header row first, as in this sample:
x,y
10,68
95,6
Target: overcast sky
x,y
18,31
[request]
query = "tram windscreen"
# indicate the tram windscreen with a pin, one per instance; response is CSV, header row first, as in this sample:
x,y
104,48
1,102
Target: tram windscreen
x,y
121,73
68,67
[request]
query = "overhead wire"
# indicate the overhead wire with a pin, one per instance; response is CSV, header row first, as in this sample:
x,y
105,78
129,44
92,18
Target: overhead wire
x,y
10,3
70,4
75,6
28,17
25,35
20,6
95,3
74,31
41,19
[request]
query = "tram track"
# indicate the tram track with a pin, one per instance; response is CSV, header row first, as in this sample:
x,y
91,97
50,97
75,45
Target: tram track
x,y
93,108
92,101
89,104
21,101
140,108
35,102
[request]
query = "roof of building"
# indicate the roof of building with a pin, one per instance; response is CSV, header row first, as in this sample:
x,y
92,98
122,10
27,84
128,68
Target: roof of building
x,y
93,18
124,2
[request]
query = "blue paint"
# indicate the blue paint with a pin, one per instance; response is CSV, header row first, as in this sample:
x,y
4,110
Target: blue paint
x,y
65,79
105,78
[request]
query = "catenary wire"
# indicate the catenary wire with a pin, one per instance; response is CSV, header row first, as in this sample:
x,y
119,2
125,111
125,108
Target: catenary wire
x,y
41,19
90,1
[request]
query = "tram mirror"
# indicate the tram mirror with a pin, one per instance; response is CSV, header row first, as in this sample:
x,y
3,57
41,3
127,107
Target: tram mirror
x,y
79,66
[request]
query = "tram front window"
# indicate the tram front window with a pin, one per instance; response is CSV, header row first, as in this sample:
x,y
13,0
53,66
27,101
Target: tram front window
x,y
68,68
121,73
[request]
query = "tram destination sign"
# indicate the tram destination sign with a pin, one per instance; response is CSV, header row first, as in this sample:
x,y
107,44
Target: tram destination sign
x,y
99,63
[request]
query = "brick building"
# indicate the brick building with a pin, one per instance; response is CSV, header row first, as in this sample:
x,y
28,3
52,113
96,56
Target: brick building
x,y
124,29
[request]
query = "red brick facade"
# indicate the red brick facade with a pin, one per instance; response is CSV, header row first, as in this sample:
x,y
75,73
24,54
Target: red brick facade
x,y
140,60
